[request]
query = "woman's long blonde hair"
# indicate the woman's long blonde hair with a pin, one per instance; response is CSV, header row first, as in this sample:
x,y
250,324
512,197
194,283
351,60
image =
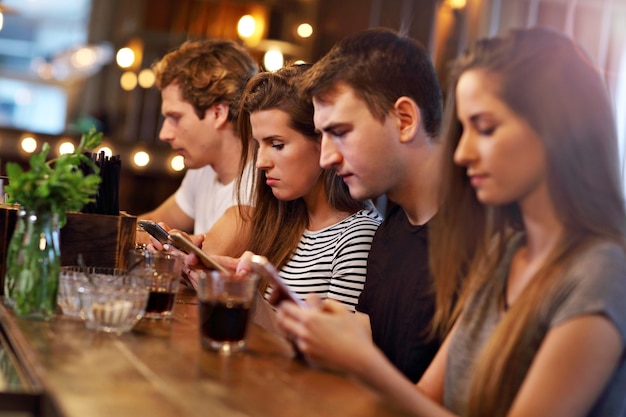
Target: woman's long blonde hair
x,y
546,79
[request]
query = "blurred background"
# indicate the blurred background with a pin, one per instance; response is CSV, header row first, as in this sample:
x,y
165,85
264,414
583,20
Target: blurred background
x,y
68,64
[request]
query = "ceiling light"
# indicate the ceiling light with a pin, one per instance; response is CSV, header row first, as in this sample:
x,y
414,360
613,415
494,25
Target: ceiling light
x,y
246,26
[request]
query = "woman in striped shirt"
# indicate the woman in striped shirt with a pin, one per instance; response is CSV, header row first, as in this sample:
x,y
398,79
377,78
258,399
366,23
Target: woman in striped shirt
x,y
304,220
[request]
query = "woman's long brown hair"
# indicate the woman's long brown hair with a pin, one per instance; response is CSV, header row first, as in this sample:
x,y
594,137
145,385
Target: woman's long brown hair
x,y
546,79
277,226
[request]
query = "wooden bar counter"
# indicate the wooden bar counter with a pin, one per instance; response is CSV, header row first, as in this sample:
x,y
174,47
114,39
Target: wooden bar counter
x,y
160,369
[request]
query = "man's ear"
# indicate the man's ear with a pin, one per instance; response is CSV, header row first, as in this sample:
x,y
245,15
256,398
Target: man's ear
x,y
409,117
219,113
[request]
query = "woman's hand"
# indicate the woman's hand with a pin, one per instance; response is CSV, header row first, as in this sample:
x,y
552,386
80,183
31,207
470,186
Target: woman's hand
x,y
327,334
244,263
193,264
192,261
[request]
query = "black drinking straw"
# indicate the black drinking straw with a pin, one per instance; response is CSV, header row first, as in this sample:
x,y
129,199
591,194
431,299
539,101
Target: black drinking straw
x,y
107,196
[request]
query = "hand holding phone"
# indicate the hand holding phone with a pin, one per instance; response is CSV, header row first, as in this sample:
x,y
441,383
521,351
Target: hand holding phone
x,y
281,291
159,233
187,246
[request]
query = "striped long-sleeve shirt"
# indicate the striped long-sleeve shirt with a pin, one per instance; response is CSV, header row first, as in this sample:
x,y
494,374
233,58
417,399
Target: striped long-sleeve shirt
x,y
332,262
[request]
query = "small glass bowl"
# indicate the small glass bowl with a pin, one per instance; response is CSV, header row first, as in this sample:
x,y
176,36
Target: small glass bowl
x,y
113,305
72,281
109,300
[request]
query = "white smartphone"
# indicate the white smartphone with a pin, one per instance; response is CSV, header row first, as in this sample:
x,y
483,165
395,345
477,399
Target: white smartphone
x,y
187,246
281,291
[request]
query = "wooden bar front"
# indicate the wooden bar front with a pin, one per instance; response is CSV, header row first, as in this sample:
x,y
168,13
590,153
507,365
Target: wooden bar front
x,y
160,369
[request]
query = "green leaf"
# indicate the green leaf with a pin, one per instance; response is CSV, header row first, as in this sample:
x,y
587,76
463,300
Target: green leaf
x,y
58,184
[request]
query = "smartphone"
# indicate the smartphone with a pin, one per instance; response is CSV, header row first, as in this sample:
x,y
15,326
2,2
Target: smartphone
x,y
158,232
154,229
281,291
187,246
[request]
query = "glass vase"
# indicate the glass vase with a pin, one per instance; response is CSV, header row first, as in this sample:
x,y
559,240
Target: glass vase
x,y
34,266
14,245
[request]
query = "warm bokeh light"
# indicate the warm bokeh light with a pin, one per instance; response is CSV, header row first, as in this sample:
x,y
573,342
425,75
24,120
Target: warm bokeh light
x,y
83,58
29,144
146,78
44,70
66,147
273,60
141,158
457,4
251,27
128,80
246,26
125,57
107,151
299,62
177,163
304,30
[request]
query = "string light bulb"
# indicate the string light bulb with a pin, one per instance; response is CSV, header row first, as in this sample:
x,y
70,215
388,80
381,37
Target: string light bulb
x,y
177,163
29,144
66,147
125,57
141,159
304,30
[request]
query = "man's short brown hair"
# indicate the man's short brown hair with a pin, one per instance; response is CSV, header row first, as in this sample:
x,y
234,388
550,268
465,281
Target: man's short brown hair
x,y
380,66
207,72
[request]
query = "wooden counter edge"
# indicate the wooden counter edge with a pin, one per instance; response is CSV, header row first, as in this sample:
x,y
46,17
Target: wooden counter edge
x,y
26,356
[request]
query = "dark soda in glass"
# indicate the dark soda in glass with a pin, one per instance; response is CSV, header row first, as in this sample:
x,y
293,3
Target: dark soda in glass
x,y
160,301
224,320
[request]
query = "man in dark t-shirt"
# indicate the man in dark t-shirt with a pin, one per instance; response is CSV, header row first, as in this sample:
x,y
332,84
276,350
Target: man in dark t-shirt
x,y
378,105
398,295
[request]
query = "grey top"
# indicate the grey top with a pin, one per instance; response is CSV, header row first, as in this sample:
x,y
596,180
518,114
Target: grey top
x,y
598,276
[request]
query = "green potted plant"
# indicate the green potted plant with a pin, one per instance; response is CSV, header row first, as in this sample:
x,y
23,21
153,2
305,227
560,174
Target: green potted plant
x,y
45,193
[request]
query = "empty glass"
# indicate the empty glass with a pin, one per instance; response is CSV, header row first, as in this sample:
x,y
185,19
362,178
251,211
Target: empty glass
x,y
71,281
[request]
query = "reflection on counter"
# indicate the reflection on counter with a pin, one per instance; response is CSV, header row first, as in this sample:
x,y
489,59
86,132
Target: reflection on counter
x,y
11,379
19,396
